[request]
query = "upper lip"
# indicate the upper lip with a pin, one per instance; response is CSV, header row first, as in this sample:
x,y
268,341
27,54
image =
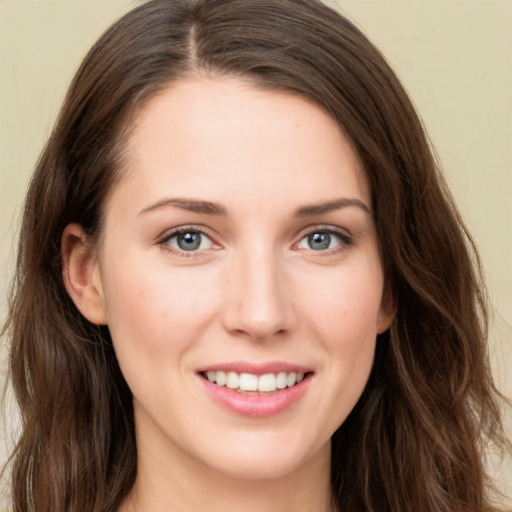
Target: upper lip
x,y
255,368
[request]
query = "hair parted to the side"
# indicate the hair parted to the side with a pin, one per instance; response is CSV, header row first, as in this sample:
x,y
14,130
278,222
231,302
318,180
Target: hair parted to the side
x,y
415,440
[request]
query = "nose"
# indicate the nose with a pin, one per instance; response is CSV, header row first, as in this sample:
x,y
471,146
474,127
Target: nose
x,y
258,297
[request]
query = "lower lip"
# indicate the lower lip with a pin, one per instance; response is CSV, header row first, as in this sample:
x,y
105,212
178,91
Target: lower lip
x,y
256,406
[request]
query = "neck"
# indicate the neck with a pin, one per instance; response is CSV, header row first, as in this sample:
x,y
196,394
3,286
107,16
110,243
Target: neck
x,y
167,480
229,495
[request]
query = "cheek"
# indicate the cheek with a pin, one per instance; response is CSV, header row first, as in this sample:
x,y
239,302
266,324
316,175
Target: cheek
x,y
152,310
349,339
341,317
347,304
344,315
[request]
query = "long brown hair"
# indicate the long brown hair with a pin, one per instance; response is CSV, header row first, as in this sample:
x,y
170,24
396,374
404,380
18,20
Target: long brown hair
x,y
415,440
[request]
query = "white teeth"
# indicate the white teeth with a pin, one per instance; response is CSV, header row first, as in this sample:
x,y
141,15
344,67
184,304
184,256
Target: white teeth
x,y
281,380
267,382
220,378
232,380
249,382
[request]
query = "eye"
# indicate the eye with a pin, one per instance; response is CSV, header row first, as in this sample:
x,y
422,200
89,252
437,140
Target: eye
x,y
323,240
188,240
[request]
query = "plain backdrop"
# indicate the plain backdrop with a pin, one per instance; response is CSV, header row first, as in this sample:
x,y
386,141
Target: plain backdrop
x,y
453,56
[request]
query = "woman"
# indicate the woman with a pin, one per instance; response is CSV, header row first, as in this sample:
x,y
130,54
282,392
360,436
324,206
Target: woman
x,y
257,292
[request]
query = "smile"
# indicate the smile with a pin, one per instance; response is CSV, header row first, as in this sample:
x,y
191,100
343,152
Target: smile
x,y
256,390
249,382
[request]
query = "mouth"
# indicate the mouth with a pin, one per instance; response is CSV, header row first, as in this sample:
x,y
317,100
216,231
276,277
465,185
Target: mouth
x,y
256,390
253,384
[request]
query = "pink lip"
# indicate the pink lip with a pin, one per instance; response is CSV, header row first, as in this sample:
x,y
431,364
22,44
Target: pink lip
x,y
254,405
255,368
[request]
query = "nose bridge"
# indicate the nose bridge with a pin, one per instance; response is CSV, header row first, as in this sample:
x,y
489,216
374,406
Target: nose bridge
x,y
258,299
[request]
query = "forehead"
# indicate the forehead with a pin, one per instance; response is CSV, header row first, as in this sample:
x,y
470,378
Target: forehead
x,y
226,139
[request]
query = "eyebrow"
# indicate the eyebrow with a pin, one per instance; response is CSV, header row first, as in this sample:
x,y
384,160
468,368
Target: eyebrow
x,y
209,208
329,206
191,205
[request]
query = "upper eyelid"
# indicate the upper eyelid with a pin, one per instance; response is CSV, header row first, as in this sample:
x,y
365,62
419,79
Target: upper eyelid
x,y
163,242
324,227
345,237
168,234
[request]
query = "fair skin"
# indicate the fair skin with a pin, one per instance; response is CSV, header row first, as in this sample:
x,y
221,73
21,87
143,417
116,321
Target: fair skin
x,y
275,269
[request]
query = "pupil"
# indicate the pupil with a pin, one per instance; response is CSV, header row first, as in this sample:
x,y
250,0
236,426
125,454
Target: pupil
x,y
319,241
189,241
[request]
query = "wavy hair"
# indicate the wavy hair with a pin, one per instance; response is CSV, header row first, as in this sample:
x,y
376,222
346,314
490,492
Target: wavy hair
x,y
416,439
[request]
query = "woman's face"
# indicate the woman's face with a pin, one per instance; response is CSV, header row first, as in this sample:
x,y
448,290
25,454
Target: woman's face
x,y
239,256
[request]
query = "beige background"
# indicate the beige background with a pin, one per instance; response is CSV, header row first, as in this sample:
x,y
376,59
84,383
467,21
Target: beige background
x,y
454,57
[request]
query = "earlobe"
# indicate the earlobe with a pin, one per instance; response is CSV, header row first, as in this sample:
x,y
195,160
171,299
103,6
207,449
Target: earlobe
x,y
81,274
388,309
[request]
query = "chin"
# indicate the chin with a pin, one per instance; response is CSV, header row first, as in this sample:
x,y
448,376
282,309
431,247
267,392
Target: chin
x,y
267,460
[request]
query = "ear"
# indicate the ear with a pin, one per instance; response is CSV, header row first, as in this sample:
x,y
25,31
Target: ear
x,y
81,274
388,308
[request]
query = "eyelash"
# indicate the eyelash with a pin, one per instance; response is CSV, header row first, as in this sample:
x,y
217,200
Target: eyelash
x,y
164,241
345,240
